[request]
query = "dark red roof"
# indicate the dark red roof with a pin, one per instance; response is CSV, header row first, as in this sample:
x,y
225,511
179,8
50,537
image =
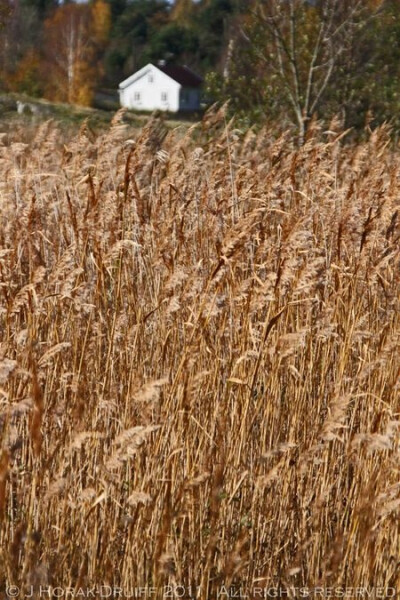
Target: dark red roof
x,y
182,75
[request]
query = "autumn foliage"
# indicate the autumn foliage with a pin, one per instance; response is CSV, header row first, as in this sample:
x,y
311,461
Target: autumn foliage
x,y
73,36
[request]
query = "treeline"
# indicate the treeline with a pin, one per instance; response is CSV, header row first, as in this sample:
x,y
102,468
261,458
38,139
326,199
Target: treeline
x,y
287,60
66,51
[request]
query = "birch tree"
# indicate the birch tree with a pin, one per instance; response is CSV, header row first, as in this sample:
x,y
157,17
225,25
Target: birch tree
x,y
69,55
302,43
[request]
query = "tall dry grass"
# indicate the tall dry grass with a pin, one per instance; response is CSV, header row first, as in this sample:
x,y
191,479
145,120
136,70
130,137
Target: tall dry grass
x,y
199,360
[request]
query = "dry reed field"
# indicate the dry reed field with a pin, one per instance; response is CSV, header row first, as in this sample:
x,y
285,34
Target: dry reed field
x,y
199,363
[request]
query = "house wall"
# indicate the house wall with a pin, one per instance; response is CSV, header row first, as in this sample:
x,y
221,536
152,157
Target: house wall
x,y
153,90
189,99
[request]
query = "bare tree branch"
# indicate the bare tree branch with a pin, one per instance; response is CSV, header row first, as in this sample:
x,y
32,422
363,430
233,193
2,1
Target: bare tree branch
x,y
303,45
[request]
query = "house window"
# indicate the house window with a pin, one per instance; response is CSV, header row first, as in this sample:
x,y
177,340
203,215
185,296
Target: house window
x,y
150,78
164,96
136,96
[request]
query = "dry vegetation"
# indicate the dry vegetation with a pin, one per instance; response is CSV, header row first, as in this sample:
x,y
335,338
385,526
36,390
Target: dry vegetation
x,y
199,362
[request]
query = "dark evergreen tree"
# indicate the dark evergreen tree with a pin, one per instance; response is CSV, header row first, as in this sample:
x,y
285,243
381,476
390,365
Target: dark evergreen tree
x,y
43,8
131,36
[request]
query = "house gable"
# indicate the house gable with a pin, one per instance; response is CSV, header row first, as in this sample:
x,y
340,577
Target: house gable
x,y
147,71
167,88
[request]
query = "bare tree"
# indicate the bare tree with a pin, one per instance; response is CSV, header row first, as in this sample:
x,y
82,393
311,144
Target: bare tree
x,y
302,43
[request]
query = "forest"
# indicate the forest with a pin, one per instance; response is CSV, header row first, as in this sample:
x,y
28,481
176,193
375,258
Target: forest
x,y
291,61
287,62
65,51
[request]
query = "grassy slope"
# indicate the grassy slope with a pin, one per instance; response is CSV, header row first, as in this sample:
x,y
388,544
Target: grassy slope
x,y
68,118
199,365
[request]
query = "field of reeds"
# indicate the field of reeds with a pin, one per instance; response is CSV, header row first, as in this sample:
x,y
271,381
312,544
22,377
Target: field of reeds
x,y
199,363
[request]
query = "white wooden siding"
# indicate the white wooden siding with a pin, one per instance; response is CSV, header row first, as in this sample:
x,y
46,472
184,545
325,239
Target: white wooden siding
x,y
150,89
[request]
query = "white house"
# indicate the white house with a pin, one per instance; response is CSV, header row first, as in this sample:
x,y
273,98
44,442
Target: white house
x,y
166,87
